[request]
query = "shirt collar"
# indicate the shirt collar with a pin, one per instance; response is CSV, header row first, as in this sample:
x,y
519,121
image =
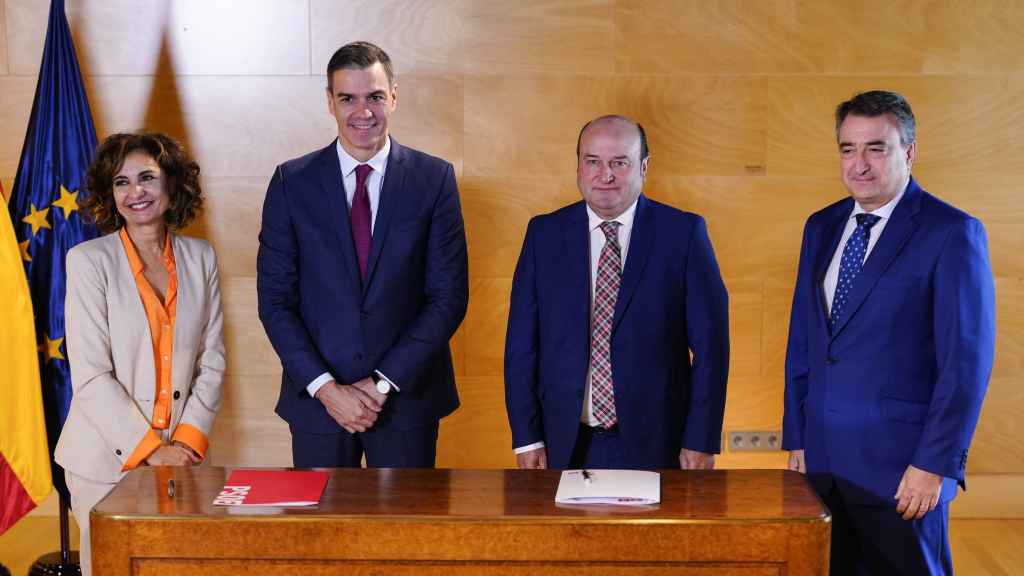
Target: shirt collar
x,y
136,261
884,212
625,219
377,162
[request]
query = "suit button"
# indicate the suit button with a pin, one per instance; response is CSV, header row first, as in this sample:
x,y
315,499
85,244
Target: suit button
x,y
830,360
364,314
579,393
118,452
177,394
358,357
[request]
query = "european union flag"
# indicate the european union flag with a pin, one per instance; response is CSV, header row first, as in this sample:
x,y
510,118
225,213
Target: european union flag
x,y
59,145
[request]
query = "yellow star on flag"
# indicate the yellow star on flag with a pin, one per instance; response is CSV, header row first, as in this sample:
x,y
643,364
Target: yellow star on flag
x,y
68,201
24,251
37,218
51,349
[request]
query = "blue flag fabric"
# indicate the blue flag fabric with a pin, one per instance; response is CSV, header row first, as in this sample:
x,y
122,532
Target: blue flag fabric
x,y
59,145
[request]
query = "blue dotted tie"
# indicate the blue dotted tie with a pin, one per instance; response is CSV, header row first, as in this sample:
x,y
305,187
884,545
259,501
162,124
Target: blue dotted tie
x,y
849,267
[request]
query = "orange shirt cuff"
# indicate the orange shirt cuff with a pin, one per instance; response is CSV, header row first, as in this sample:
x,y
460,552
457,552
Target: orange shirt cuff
x,y
145,448
192,437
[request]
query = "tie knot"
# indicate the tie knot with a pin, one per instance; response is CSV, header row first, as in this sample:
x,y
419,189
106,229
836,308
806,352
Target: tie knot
x,y
867,220
362,171
611,230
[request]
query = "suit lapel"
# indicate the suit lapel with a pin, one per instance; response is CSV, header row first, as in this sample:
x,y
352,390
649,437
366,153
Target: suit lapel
x,y
640,241
390,194
832,234
577,249
333,189
895,235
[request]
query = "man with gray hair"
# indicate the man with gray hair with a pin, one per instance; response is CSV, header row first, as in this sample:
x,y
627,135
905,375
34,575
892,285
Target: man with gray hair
x,y
891,343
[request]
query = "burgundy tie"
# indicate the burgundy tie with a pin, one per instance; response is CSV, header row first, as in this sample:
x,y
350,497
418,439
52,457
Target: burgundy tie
x,y
606,292
359,217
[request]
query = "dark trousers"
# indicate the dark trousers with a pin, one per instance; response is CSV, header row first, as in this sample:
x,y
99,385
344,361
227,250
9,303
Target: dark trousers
x,y
876,540
598,448
414,448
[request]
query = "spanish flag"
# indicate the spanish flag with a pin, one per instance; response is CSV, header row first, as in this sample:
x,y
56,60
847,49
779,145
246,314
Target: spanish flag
x,y
24,453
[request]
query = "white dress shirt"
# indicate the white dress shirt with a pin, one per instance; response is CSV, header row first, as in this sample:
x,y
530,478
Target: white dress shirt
x,y
832,276
597,242
379,163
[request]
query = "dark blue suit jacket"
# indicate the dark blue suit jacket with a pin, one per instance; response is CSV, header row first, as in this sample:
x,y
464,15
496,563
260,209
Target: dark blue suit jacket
x,y
901,381
671,300
318,315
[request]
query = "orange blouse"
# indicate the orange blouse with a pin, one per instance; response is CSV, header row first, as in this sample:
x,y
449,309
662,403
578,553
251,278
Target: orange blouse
x,y
160,316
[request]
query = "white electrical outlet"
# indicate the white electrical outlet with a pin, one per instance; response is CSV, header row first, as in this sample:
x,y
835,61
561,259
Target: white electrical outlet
x,y
753,440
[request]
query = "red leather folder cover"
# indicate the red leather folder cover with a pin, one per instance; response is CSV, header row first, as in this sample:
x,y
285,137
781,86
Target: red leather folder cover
x,y
272,488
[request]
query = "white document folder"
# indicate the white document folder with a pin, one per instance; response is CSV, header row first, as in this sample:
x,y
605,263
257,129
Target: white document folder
x,y
622,487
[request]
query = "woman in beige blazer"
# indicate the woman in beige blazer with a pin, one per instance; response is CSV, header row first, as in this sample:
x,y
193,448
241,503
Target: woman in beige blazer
x,y
143,324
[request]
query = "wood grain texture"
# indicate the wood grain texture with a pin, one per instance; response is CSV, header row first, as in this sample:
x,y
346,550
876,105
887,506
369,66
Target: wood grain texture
x,y
726,519
539,37
3,37
420,36
268,37
477,434
994,449
15,108
981,547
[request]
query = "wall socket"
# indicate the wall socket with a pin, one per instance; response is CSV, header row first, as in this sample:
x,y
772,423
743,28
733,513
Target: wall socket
x,y
754,440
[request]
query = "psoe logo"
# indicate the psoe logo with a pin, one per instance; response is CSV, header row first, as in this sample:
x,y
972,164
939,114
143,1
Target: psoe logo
x,y
232,496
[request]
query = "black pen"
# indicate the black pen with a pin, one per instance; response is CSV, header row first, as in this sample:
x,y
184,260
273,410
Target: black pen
x,y
587,476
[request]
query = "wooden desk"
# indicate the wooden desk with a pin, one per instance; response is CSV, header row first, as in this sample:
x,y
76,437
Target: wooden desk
x,y
460,522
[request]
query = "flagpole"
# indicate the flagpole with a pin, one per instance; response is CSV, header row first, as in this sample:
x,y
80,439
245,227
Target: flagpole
x,y
63,563
65,539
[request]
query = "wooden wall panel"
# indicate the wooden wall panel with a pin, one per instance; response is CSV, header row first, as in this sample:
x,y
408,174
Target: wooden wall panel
x,y
540,119
200,36
995,447
497,211
737,98
539,37
15,109
26,31
3,37
421,36
719,38
473,437
430,116
485,326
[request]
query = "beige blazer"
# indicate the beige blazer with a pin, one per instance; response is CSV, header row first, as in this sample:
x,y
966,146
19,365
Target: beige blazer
x,y
111,354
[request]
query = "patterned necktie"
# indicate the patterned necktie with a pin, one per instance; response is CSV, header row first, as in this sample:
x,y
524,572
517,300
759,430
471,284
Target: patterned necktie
x,y
606,292
359,217
850,265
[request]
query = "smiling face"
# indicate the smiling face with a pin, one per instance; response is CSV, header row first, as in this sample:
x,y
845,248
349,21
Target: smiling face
x,y
610,173
874,163
140,191
362,101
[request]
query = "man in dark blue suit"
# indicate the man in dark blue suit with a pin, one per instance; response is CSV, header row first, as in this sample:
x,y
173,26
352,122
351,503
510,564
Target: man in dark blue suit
x,y
890,349
362,275
611,296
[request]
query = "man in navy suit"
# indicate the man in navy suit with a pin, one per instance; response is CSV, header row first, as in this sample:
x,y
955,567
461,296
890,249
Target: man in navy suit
x,y
611,296
362,275
890,349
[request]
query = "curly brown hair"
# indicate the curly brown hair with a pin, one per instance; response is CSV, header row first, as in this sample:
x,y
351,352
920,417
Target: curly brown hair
x,y
181,172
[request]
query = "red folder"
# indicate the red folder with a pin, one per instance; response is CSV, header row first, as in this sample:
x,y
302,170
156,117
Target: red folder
x,y
272,488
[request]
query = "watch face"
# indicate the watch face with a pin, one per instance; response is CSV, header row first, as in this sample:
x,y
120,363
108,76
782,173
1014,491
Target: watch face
x,y
383,387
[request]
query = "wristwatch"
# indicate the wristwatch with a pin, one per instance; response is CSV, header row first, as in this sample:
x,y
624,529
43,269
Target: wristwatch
x,y
383,386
